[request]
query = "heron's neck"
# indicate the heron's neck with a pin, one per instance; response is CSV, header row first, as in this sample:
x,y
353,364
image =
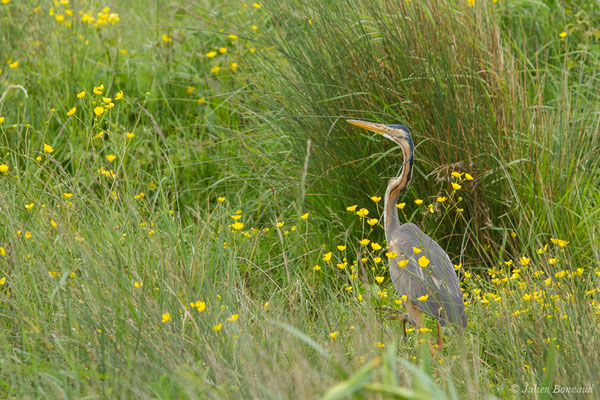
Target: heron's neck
x,y
396,187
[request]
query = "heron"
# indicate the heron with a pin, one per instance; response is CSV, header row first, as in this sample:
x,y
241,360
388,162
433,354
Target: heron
x,y
421,269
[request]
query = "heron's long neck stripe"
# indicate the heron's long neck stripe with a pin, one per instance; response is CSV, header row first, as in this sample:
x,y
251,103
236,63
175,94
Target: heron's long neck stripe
x,y
397,186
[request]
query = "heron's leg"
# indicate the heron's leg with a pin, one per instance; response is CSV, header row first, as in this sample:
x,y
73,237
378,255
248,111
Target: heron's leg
x,y
399,315
415,313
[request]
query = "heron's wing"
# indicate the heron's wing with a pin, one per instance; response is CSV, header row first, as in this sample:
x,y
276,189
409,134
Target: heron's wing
x,y
434,277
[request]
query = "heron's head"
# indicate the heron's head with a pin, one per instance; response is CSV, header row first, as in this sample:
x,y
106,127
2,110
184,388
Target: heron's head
x,y
398,133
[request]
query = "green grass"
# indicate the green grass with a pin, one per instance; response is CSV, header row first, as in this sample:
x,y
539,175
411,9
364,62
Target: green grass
x,y
492,90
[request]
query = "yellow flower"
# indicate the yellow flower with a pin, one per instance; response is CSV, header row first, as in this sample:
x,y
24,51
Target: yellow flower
x,y
376,199
377,260
2,280
403,263
217,327
232,37
220,199
2,251
81,94
68,195
71,111
364,242
138,284
391,254
333,335
166,38
342,265
416,250
201,100
327,256
418,201
107,100
166,317
29,206
563,34
457,266
98,89
552,261
215,69
380,345
304,216
341,248
468,176
400,206
363,212
423,261
280,224
441,199
234,317
372,221
48,148
455,186
351,208
237,226
111,157
471,3
424,330
222,50
524,261
256,5
211,54
130,135
54,225
3,168
119,95
376,246
423,298
266,306
379,279
13,65
457,174
316,268
99,110
1,120
560,242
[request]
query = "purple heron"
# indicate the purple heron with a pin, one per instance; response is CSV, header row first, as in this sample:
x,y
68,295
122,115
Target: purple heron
x,y
421,270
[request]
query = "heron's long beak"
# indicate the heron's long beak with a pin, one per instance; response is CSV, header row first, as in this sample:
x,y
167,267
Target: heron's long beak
x,y
377,128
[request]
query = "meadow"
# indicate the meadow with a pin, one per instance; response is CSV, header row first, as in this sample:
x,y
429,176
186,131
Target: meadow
x,y
184,212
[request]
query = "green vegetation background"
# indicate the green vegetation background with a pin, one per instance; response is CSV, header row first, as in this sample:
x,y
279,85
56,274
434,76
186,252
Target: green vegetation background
x,y
125,268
